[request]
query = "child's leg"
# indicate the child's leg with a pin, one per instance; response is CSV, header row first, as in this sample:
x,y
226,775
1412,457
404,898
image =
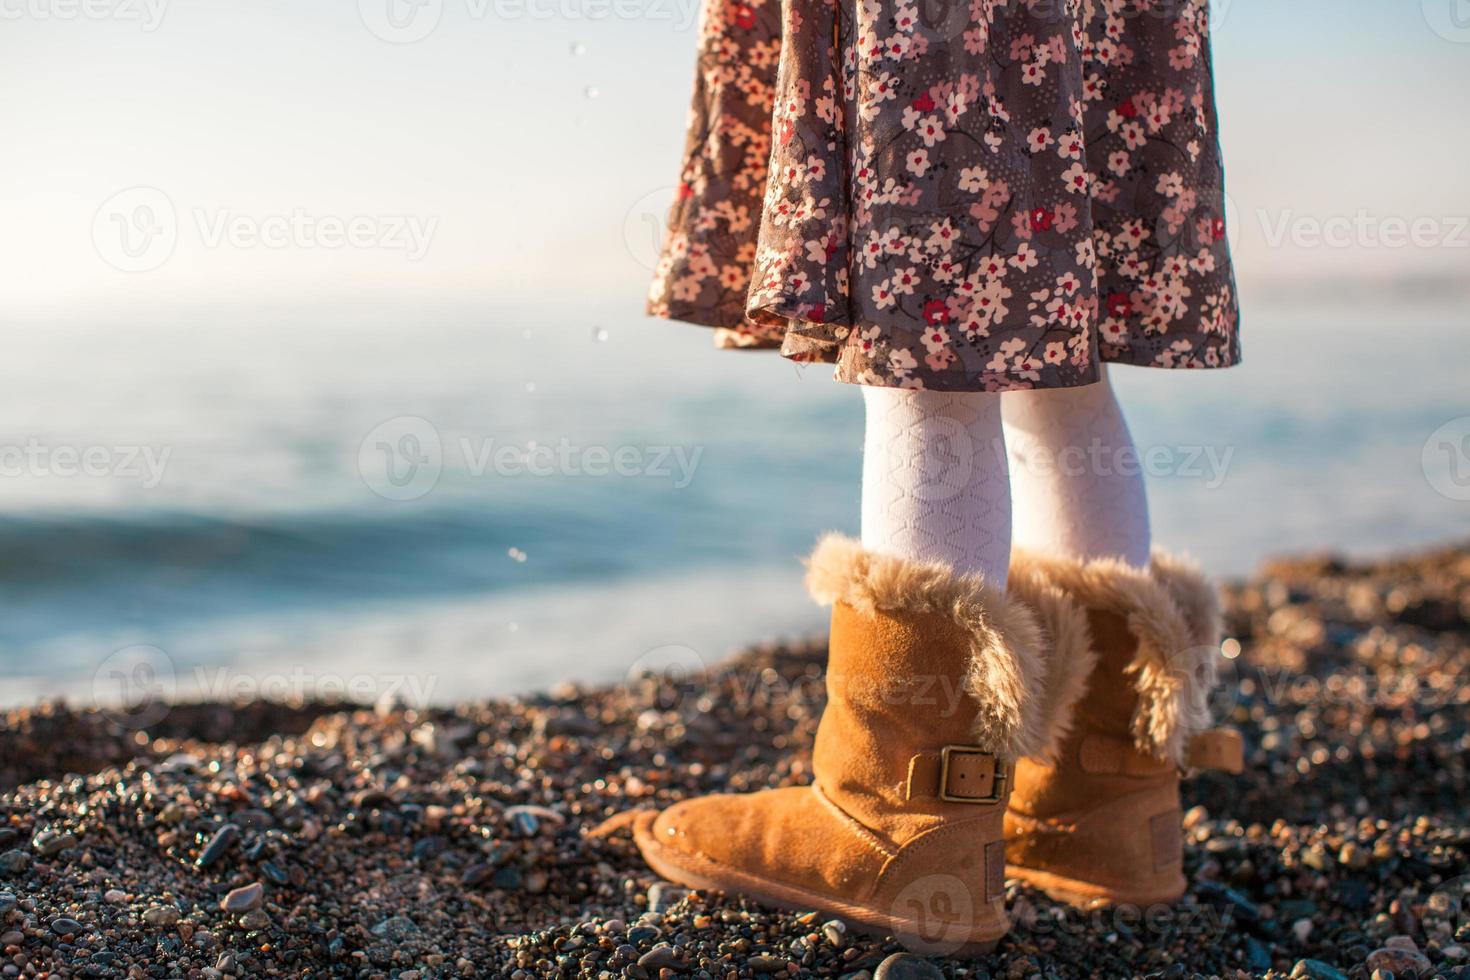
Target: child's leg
x,y
1075,476
935,483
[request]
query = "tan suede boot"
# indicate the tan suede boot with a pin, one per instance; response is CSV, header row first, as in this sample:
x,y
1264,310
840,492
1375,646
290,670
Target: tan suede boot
x,y
930,684
1133,659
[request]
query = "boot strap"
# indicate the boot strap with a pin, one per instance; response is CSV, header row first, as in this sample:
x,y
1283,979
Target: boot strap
x,y
1217,749
1108,756
957,774
1220,749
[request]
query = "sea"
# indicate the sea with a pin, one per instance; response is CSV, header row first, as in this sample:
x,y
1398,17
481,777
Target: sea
x,y
431,505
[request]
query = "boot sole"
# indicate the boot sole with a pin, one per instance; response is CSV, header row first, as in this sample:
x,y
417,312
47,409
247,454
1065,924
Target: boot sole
x,y
692,871
1090,895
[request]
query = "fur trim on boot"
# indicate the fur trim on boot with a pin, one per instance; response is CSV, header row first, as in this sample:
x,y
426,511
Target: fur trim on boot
x,y
1169,607
1007,669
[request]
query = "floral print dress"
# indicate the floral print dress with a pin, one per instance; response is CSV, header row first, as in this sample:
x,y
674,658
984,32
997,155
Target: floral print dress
x,y
962,195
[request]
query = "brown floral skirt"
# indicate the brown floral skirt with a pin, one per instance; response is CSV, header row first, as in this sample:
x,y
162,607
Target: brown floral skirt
x,y
964,195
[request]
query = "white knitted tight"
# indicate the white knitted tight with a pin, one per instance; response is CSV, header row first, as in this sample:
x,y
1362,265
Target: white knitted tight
x,y
956,476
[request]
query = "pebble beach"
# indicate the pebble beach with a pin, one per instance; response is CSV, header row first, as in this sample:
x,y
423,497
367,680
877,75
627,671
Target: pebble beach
x,y
325,840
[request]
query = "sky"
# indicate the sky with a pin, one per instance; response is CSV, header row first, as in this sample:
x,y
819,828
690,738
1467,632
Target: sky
x,y
489,149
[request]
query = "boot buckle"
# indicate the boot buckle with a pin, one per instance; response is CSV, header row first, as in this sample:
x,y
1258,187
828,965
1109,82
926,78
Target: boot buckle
x,y
955,760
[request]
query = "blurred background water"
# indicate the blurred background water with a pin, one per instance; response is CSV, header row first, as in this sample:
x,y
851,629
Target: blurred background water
x,y
322,421
275,539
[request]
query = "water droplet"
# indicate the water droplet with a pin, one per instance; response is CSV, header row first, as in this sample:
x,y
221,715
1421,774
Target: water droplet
x,y
592,92
599,334
517,554
578,49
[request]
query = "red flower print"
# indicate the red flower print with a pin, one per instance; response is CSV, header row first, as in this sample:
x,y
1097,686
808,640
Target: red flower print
x,y
992,208
1119,304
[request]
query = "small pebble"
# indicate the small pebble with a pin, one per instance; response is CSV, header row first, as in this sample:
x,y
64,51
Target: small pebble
x,y
255,921
245,899
1316,970
658,958
221,842
161,915
906,966
397,928
1398,960
63,926
49,842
